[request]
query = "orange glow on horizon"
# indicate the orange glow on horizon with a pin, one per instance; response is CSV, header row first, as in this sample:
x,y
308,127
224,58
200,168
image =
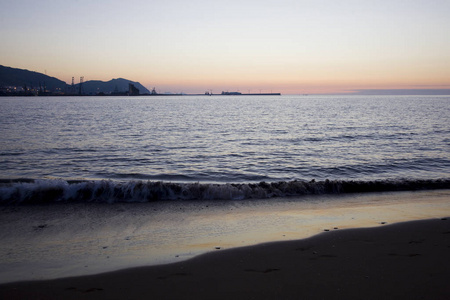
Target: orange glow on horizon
x,y
292,47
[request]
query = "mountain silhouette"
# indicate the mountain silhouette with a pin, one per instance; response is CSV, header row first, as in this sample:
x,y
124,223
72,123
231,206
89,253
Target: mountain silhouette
x,y
21,78
120,85
12,77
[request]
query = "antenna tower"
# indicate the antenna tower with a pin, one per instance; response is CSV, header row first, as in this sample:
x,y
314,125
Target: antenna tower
x,y
81,83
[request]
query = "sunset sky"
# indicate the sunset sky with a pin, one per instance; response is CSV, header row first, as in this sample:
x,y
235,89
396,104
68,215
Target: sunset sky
x,y
192,46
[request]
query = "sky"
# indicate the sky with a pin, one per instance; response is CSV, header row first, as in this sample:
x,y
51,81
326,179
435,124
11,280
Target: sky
x,y
191,46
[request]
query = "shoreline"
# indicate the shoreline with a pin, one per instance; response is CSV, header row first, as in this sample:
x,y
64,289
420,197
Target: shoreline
x,y
68,240
409,260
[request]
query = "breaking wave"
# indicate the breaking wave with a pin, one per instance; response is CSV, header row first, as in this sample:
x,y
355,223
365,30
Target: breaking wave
x,y
107,191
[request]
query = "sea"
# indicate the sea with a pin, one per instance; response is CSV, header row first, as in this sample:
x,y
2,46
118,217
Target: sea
x,y
156,148
97,184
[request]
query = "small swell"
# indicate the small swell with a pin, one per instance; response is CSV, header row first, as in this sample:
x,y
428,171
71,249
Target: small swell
x,y
28,191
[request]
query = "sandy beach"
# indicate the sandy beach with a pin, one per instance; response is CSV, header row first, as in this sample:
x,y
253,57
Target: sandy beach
x,y
409,260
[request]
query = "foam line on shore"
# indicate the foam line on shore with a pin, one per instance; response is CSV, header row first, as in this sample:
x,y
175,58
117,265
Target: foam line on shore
x,y
108,191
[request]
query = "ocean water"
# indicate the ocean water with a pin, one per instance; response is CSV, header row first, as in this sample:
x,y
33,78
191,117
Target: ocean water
x,y
113,149
252,169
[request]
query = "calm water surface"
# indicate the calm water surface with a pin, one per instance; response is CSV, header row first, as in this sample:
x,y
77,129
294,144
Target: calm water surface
x,y
225,138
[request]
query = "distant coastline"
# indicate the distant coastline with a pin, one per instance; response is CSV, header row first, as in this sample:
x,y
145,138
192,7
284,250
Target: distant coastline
x,y
126,94
223,94
23,83
20,82
402,92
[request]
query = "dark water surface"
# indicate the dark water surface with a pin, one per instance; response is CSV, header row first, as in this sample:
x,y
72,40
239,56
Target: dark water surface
x,y
225,139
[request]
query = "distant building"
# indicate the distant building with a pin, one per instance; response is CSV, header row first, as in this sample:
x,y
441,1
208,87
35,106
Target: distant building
x,y
132,90
231,93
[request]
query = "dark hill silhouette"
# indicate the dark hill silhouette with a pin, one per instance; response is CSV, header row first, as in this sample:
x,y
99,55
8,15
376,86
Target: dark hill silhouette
x,y
20,78
12,77
120,85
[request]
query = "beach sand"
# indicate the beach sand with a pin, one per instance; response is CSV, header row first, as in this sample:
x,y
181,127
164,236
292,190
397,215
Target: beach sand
x,y
409,260
41,242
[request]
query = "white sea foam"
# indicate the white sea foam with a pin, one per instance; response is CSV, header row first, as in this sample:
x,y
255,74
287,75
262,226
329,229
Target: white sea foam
x,y
108,191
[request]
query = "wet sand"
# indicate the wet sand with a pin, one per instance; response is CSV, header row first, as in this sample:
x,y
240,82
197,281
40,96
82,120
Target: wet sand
x,y
408,260
67,240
